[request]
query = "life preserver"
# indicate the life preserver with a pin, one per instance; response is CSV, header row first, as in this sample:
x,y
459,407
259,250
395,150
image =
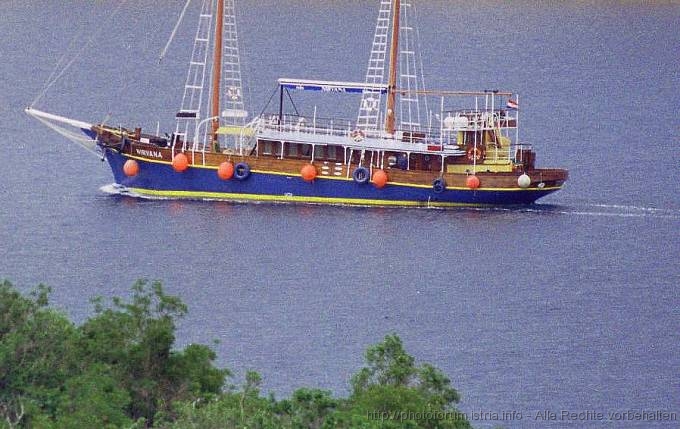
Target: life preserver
x,y
438,185
234,93
241,171
361,175
357,135
475,154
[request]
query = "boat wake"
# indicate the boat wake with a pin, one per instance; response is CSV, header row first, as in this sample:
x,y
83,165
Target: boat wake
x,y
116,189
606,210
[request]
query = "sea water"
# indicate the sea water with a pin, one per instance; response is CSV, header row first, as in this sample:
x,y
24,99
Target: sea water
x,y
568,307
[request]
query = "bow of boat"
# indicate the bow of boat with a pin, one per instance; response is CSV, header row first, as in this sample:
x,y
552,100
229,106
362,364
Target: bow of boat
x,y
66,127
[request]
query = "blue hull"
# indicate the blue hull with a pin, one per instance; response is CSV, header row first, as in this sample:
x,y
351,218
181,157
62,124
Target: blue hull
x,y
159,180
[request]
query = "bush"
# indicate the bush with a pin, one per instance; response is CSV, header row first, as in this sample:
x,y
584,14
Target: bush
x,y
119,369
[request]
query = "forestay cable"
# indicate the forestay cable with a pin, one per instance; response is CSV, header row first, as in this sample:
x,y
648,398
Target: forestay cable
x,y
74,136
54,77
174,31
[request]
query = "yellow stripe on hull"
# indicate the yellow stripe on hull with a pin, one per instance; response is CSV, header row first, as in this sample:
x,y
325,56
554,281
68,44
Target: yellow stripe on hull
x,y
202,195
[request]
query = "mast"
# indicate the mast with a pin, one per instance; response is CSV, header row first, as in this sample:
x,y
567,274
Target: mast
x,y
392,79
217,73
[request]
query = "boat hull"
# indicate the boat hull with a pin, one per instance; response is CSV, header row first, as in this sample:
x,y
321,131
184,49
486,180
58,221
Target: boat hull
x,y
158,179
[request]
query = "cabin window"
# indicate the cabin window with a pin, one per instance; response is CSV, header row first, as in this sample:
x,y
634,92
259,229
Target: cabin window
x,y
271,148
319,152
415,162
306,149
267,148
332,153
293,150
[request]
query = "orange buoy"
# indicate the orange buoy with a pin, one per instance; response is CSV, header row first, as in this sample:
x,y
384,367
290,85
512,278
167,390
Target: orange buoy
x,y
131,168
308,172
226,170
472,182
180,162
379,179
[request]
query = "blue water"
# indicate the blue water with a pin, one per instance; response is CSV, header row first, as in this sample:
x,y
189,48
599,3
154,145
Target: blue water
x,y
570,305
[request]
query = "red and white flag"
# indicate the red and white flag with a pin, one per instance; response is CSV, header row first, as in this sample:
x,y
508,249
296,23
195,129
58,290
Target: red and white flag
x,y
512,104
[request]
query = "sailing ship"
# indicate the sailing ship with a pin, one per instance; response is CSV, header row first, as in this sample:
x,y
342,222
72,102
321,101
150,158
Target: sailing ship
x,y
465,153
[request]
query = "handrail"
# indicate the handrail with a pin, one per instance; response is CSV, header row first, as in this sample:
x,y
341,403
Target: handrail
x,y
472,120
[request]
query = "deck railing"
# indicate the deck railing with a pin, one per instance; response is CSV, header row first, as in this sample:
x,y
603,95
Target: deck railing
x,y
455,121
304,124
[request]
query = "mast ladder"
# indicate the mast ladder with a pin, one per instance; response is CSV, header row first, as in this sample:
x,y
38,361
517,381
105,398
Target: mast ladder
x,y
190,111
369,110
234,113
409,106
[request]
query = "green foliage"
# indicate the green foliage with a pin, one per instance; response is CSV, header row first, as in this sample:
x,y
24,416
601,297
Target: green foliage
x,y
117,368
120,370
93,399
436,386
233,409
390,392
309,408
37,354
135,340
394,391
388,365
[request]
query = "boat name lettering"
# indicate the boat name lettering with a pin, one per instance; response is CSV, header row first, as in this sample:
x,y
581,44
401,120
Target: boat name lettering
x,y
149,153
322,88
326,88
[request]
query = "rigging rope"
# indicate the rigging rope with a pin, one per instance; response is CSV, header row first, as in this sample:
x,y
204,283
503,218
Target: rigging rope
x,y
276,89
71,46
420,57
291,102
174,31
54,77
244,65
74,136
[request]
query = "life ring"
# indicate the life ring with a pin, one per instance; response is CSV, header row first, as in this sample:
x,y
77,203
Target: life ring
x,y
241,171
438,185
475,154
234,93
357,135
361,175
